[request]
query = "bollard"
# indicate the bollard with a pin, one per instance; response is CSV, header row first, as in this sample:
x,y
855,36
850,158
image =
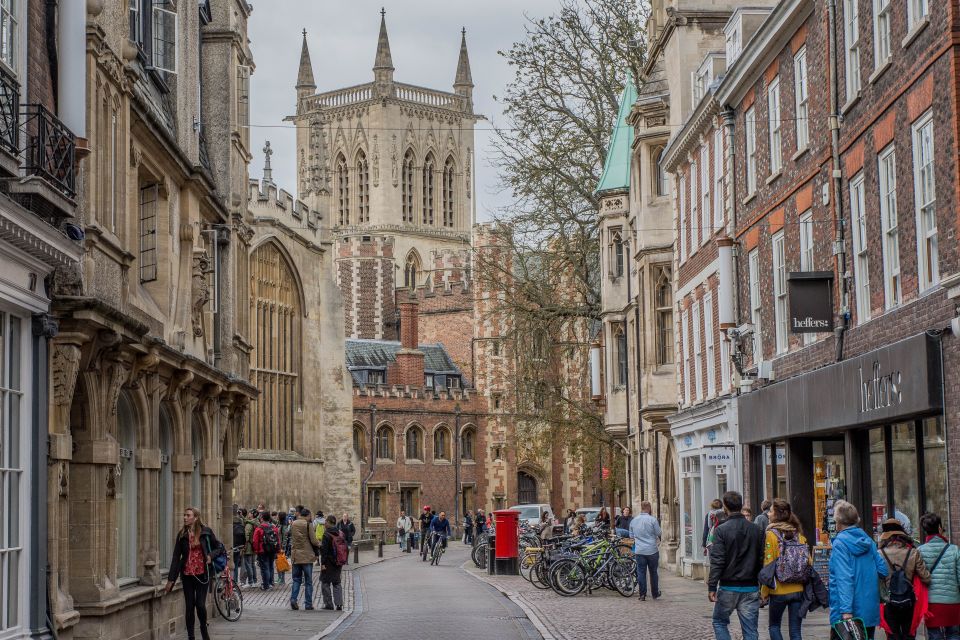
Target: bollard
x,y
356,554
380,546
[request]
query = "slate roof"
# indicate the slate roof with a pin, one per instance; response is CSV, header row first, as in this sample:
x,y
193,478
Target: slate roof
x,y
378,354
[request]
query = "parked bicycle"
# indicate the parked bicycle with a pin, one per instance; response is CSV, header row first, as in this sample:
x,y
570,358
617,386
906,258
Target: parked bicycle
x,y
226,594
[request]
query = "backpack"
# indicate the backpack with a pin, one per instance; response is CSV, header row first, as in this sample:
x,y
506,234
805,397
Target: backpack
x,y
899,588
712,533
340,548
239,533
218,556
271,542
793,565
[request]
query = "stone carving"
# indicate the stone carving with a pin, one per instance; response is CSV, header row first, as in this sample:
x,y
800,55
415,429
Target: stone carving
x,y
116,377
68,280
200,291
65,365
376,161
112,473
393,161
142,365
63,472
468,170
180,379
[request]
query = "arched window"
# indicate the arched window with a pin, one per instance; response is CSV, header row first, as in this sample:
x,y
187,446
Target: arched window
x,y
428,189
166,525
363,188
406,177
360,441
411,271
468,438
663,293
414,443
620,344
441,444
385,443
126,490
343,190
275,319
617,254
658,174
448,201
526,488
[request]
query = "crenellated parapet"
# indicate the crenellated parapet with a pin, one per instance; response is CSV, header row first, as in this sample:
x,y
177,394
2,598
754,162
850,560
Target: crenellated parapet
x,y
411,393
267,202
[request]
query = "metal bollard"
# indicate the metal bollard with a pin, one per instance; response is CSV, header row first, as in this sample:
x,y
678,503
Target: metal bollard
x,y
380,546
356,554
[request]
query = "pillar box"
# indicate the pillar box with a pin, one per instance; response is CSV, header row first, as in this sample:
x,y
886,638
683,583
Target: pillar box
x,y
507,543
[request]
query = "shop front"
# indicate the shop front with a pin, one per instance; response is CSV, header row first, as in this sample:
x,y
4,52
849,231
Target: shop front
x,y
869,430
710,464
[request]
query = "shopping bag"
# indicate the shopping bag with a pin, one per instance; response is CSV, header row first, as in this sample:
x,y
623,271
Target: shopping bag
x,y
852,629
283,565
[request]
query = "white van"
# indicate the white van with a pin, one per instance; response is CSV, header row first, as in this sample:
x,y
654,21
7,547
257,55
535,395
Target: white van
x,y
531,513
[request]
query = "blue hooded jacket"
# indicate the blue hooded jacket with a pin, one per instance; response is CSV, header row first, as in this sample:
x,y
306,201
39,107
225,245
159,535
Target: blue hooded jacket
x,y
855,569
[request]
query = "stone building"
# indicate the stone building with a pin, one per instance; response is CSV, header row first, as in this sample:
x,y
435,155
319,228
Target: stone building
x,y
149,391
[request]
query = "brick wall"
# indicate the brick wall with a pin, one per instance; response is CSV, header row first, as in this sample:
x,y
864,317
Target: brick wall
x,y
41,86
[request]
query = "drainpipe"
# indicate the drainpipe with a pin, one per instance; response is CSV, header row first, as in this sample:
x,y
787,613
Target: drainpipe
x,y
373,465
456,466
839,248
636,349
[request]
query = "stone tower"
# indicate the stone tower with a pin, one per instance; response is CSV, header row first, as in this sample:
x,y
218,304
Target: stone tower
x,y
390,167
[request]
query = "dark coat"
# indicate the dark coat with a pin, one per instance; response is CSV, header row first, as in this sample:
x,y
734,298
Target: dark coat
x,y
349,530
736,555
329,570
181,549
815,594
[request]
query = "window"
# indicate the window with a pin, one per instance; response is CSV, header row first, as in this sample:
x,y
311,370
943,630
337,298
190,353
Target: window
x,y
705,216
851,21
411,270
467,442
861,265
660,187
917,10
453,382
709,328
126,496
428,381
882,16
441,444
164,36
114,160
448,182
617,257
406,175
775,126
682,218
620,344
376,502
385,443
925,197
376,376
755,305
889,227
497,401
360,441
724,365
806,256
343,190
414,443
363,188
781,316
664,312
9,37
133,12
750,121
243,103
802,98
496,347
696,228
717,179
697,350
149,199
685,337
428,190
14,485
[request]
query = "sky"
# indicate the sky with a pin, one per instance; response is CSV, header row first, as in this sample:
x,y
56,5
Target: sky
x,y
342,36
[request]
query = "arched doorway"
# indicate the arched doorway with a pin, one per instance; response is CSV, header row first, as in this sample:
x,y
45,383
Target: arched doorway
x,y
526,488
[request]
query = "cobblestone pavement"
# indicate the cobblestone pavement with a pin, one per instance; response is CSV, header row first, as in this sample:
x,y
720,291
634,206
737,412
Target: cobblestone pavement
x,y
407,598
683,613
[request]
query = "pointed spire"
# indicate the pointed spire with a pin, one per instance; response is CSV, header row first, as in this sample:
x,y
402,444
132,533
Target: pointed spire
x,y
305,75
464,77
383,63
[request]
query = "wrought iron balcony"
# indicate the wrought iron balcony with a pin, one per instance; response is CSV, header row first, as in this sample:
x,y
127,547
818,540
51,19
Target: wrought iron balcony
x,y
9,113
50,149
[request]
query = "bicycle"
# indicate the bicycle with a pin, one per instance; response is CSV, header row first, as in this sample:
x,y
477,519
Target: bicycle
x,y
437,549
227,595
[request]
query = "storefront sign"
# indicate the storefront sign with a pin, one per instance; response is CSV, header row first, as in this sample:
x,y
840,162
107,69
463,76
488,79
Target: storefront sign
x,y
811,301
896,382
720,458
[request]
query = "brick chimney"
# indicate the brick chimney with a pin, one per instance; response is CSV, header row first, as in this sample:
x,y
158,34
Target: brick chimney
x,y
409,367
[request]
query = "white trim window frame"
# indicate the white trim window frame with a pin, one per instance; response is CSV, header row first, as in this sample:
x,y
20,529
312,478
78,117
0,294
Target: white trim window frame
x,y
709,329
890,228
882,17
861,255
780,312
801,95
717,179
756,308
925,202
706,216
694,210
687,382
165,38
805,226
682,218
775,126
698,350
917,10
851,54
10,35
750,136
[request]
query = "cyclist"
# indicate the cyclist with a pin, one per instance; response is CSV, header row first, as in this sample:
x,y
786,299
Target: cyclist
x,y
439,530
426,518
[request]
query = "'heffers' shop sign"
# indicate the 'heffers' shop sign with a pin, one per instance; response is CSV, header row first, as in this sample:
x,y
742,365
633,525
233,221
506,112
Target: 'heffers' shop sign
x,y
811,301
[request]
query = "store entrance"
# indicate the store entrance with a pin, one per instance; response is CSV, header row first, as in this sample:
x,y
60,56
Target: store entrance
x,y
829,485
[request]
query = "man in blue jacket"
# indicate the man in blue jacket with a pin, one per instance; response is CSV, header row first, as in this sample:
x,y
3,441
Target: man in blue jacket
x,y
855,566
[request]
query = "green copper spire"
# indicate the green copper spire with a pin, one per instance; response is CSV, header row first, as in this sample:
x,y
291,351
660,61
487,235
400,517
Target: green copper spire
x,y
616,169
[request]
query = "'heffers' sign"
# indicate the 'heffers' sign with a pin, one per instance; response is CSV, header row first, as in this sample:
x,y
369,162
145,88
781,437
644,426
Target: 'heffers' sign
x,y
811,301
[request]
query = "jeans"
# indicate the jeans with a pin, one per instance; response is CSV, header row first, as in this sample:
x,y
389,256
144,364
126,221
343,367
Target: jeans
x,y
791,603
403,542
747,606
900,619
250,567
302,573
943,633
266,560
195,600
649,563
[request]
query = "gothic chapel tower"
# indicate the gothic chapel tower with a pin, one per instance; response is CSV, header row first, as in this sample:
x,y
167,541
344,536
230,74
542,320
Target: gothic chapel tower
x,y
390,167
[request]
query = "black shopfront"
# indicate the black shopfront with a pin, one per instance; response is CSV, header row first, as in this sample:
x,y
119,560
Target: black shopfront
x,y
869,430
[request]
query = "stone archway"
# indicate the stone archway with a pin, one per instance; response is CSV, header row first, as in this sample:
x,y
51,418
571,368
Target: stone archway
x,y
670,503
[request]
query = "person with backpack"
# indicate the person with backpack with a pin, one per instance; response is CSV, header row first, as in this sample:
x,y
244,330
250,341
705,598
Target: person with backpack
x,y
943,558
266,543
904,562
855,566
192,562
239,542
348,529
249,555
785,545
333,555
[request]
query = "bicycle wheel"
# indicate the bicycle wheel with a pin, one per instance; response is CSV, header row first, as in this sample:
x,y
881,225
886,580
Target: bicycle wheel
x,y
568,577
622,576
528,561
437,552
540,576
228,600
479,555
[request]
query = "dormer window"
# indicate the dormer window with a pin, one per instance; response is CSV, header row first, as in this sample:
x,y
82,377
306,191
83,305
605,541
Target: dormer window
x,y
428,381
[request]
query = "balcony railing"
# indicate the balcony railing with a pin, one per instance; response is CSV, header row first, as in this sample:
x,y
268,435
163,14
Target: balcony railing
x,y
9,112
50,148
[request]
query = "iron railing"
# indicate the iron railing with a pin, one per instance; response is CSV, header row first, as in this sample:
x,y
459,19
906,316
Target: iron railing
x,y
50,149
9,112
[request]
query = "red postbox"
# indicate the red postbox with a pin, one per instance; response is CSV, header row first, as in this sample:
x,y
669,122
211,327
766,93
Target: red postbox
x,y
507,542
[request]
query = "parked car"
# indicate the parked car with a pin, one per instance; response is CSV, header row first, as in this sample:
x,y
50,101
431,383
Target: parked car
x,y
531,513
590,514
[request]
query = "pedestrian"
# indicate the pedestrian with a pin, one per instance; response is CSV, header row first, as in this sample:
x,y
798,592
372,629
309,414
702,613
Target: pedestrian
x,y
903,563
404,527
785,544
602,521
569,521
580,525
622,522
266,543
467,528
480,522
191,563
855,566
283,555
763,519
303,551
333,555
349,530
239,542
747,513
943,558
736,558
249,555
646,534
710,523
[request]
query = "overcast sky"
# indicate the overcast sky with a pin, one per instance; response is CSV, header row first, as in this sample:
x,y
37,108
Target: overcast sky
x,y
342,35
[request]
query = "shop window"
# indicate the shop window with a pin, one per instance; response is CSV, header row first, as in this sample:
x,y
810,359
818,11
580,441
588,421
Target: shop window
x,y
934,466
774,471
830,485
692,502
126,487
905,477
878,477
14,425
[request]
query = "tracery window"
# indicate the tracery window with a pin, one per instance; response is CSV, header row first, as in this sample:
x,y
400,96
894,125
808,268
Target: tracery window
x,y
343,190
363,188
441,444
663,292
448,198
414,443
385,443
407,179
428,189
411,270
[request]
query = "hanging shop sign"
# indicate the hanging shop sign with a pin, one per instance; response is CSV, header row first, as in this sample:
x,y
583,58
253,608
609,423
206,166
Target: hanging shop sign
x,y
811,301
720,457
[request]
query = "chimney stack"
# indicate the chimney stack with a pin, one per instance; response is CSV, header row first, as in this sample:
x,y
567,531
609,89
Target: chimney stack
x,y
409,367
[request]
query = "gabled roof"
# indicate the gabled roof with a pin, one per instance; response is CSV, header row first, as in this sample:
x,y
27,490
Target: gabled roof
x,y
379,354
616,167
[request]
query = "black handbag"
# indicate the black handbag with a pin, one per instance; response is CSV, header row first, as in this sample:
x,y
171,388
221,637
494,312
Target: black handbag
x,y
852,629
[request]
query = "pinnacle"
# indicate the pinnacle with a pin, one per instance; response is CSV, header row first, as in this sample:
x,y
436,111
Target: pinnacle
x,y
383,61
464,77
305,74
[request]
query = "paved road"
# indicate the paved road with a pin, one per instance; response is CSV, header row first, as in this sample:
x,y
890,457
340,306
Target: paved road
x,y
407,598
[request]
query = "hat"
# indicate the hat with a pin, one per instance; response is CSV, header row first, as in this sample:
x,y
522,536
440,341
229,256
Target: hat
x,y
891,527
426,508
